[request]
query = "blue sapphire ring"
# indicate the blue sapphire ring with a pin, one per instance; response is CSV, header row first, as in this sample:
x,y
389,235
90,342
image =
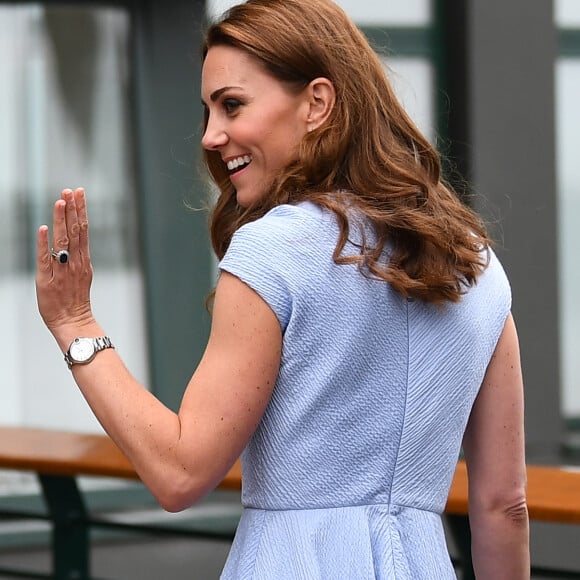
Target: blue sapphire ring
x,y
61,256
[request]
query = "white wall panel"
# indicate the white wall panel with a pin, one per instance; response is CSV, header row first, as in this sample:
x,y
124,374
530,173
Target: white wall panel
x,y
567,13
365,12
567,131
412,79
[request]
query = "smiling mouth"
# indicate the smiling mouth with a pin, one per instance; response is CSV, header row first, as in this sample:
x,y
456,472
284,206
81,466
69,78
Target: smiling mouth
x,y
238,163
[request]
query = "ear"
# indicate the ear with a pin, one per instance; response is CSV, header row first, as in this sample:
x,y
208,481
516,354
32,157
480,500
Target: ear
x,y
321,99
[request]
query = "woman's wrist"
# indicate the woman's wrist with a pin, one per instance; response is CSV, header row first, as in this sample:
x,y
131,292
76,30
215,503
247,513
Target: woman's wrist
x,y
66,333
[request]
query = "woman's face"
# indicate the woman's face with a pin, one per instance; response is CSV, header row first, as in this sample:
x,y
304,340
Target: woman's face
x,y
254,121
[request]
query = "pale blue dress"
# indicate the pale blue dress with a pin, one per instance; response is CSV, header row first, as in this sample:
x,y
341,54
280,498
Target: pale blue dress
x,y
349,470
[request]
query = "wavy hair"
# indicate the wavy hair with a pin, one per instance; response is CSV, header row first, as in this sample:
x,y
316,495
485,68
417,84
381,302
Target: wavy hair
x,y
368,155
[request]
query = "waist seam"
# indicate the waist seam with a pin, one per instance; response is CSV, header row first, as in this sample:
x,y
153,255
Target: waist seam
x,y
392,508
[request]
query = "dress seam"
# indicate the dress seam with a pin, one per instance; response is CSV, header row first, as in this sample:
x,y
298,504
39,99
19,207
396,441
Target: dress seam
x,y
387,505
258,547
396,460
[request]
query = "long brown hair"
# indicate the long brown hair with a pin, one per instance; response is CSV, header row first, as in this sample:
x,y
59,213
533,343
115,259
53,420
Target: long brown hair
x,y
368,155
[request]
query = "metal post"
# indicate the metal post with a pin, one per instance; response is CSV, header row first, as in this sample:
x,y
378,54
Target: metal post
x,y
461,533
70,534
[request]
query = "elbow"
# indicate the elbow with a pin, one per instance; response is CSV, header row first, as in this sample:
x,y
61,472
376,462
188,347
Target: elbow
x,y
173,503
176,494
511,509
516,512
172,506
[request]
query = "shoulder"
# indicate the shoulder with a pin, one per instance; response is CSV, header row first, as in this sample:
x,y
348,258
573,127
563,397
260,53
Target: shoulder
x,y
496,273
274,253
287,230
492,294
287,221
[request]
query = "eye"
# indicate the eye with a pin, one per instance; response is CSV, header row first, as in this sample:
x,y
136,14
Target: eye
x,y
231,105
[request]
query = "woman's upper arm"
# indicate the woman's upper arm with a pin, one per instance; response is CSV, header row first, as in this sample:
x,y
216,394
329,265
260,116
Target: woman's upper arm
x,y
494,443
229,391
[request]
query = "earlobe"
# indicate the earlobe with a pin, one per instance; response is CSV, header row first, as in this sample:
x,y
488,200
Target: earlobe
x,y
322,97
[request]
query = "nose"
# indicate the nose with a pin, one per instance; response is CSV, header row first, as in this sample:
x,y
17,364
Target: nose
x,y
214,136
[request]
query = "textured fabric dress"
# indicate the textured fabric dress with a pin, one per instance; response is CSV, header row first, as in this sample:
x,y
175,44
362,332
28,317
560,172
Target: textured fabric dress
x,y
350,468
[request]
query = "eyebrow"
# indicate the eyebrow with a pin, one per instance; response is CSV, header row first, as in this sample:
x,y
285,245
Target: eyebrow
x,y
219,92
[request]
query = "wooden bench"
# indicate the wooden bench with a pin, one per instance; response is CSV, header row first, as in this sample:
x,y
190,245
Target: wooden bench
x,y
64,453
58,458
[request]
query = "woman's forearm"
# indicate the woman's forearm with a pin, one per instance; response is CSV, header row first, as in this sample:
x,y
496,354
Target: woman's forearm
x,y
147,431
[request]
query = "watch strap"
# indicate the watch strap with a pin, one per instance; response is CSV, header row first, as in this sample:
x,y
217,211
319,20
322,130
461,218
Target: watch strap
x,y
102,342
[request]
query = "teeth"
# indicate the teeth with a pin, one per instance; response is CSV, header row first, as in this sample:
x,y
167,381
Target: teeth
x,y
238,162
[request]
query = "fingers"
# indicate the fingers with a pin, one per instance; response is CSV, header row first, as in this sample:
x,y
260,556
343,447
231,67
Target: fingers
x,y
70,224
71,221
83,221
43,257
60,239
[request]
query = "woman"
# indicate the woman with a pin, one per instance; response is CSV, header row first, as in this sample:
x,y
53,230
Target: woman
x,y
360,333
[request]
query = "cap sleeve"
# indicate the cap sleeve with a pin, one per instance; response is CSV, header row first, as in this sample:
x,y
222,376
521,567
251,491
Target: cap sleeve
x,y
259,256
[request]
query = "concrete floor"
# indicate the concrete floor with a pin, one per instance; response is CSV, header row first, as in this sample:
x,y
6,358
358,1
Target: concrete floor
x,y
161,559
145,559
118,555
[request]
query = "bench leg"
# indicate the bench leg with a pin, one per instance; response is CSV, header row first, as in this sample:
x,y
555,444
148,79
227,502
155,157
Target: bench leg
x,y
459,528
70,534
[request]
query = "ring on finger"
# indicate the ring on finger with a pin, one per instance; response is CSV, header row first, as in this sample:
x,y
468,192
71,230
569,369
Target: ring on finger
x,y
61,256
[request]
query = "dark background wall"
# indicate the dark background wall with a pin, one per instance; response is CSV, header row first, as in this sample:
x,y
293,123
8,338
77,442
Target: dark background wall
x,y
498,70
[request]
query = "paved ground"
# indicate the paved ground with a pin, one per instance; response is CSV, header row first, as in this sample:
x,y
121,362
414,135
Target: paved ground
x,y
165,559
143,560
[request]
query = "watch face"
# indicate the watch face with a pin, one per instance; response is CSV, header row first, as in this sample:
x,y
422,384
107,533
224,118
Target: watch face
x,y
82,349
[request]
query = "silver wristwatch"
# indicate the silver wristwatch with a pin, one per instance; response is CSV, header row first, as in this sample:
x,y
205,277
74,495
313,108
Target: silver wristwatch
x,y
83,350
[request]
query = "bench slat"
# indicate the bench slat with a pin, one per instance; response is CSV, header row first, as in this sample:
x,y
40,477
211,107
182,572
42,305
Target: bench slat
x,y
66,453
62,453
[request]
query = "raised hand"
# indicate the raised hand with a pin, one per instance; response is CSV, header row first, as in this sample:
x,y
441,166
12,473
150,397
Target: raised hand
x,y
63,268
